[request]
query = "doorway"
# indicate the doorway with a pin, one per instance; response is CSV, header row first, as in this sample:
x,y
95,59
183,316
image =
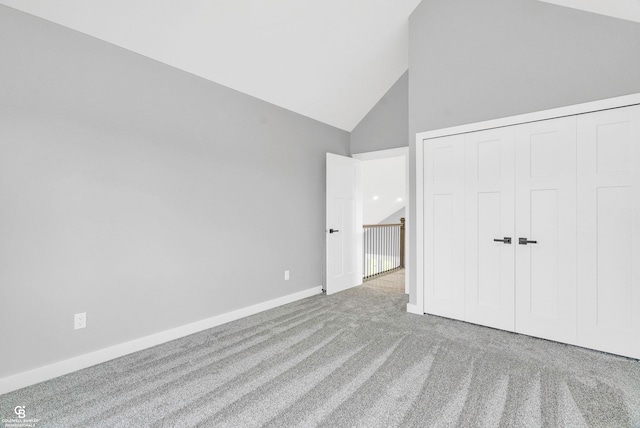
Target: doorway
x,y
385,179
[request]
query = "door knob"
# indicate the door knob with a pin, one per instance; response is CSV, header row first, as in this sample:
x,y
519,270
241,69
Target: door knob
x,y
333,230
523,241
506,240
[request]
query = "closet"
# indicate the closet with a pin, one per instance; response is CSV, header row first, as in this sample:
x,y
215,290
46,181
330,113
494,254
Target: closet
x,y
531,224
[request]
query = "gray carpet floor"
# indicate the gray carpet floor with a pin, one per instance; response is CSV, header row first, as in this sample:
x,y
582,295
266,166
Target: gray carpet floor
x,y
354,359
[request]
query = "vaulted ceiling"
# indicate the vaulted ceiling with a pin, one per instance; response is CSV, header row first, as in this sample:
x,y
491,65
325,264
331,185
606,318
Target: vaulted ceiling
x,y
330,60
623,9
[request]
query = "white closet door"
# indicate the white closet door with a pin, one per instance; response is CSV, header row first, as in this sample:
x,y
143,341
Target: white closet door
x,y
444,226
609,231
546,213
489,216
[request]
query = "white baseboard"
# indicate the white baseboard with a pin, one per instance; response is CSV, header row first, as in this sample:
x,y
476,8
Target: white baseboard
x,y
414,309
31,377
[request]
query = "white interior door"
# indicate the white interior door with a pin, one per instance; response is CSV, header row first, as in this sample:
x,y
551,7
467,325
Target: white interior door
x,y
609,231
489,222
343,223
444,226
546,222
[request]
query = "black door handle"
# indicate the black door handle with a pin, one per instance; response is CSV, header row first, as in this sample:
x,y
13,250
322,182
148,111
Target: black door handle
x,y
506,240
333,230
523,241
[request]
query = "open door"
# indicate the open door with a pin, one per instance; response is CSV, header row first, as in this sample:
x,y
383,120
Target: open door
x,y
343,223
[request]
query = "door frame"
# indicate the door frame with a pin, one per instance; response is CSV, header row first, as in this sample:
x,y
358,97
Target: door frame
x,y
395,153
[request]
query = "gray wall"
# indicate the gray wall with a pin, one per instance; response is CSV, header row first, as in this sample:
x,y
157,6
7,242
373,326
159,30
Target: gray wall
x,y
474,60
386,126
141,194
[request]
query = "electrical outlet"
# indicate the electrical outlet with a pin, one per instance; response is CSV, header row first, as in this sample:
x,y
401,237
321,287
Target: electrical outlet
x,y
286,275
80,321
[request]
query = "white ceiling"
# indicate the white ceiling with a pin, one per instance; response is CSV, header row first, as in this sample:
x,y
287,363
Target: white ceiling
x,y
383,188
330,60
623,9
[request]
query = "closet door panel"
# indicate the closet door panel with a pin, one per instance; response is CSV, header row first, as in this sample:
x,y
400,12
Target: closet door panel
x,y
546,217
609,231
489,215
444,226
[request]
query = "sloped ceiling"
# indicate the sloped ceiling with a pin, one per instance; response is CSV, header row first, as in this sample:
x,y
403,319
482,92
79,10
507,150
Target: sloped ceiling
x,y
330,60
623,9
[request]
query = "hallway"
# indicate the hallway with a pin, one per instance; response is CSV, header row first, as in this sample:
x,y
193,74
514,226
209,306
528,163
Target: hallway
x,y
393,281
